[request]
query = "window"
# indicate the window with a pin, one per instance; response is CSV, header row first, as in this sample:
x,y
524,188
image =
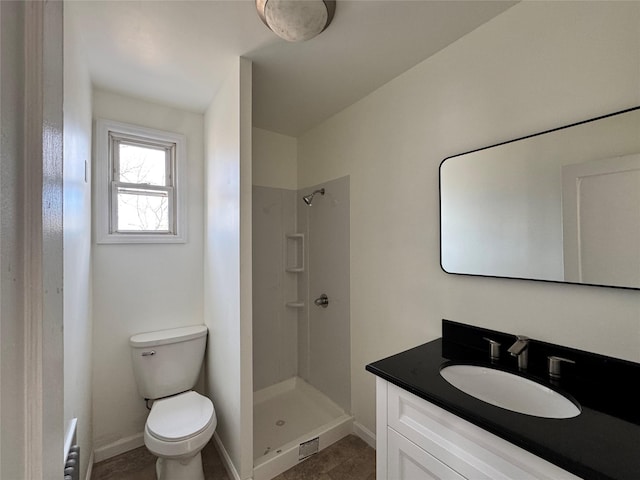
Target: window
x,y
138,191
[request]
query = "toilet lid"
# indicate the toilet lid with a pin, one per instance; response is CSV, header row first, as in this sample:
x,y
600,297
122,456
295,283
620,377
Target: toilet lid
x,y
179,417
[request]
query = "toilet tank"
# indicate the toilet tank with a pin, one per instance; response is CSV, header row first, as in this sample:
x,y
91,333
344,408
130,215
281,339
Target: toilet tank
x,y
167,362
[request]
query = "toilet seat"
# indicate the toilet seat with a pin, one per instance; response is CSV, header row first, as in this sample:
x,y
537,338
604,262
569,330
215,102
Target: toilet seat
x,y
180,417
180,426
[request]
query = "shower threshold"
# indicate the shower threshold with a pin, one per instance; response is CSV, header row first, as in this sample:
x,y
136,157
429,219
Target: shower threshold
x,y
287,418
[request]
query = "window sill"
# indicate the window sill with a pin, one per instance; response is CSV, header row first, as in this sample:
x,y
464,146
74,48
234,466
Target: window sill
x,y
140,239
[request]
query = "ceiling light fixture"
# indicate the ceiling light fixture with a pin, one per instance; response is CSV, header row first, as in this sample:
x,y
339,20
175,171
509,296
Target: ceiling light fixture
x,y
296,20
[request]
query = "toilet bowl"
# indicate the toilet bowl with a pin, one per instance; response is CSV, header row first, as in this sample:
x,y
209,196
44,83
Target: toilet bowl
x,y
177,429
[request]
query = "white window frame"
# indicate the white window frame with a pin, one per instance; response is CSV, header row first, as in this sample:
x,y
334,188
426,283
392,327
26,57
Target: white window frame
x,y
106,184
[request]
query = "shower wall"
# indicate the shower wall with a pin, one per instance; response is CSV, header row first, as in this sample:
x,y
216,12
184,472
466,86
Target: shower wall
x,y
324,334
275,326
303,339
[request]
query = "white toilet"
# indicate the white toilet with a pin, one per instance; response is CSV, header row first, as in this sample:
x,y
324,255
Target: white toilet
x,y
166,365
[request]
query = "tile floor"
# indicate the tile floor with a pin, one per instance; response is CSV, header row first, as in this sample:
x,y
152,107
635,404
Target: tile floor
x,y
347,459
139,464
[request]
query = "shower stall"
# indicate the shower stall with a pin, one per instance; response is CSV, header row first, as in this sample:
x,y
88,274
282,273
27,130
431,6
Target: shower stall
x,y
301,323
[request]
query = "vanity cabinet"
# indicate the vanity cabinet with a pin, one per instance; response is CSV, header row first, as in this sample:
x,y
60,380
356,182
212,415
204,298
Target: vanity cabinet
x,y
418,440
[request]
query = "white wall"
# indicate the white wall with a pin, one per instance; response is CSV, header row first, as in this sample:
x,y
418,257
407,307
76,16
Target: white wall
x,y
77,243
144,287
536,66
275,159
275,326
12,399
227,263
274,175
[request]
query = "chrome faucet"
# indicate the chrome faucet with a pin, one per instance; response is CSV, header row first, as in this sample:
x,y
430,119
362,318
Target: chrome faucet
x,y
520,349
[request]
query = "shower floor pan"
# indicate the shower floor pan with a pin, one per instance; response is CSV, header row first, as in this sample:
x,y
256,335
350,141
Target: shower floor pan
x,y
287,415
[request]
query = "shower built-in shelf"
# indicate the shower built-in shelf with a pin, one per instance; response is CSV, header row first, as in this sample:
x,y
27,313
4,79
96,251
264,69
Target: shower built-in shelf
x,y
295,252
295,304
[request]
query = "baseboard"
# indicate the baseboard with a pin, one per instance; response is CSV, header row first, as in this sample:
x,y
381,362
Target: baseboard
x,y
226,459
365,434
119,446
90,467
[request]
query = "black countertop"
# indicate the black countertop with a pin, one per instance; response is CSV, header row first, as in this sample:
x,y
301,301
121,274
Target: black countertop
x,y
603,442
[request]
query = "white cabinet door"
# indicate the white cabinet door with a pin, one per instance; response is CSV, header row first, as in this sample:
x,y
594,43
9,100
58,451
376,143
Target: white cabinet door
x,y
407,461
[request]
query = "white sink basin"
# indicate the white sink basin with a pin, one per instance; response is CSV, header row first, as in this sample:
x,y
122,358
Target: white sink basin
x,y
509,391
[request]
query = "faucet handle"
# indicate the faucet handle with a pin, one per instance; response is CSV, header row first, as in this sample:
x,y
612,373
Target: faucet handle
x,y
494,348
554,362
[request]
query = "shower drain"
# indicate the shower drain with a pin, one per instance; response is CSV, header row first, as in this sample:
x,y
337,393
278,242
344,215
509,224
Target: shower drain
x,y
280,423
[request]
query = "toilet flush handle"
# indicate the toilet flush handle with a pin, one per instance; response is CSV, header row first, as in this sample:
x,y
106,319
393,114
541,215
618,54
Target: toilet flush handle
x,y
149,353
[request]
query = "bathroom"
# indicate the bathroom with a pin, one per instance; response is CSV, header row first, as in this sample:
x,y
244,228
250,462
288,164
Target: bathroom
x,y
535,66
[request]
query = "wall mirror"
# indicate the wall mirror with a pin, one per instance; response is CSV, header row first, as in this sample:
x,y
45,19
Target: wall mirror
x,y
561,206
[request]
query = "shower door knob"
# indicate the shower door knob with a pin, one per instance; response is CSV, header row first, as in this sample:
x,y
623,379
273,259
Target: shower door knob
x,y
322,301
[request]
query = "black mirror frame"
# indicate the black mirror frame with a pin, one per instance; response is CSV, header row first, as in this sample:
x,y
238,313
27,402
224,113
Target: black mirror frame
x,y
627,110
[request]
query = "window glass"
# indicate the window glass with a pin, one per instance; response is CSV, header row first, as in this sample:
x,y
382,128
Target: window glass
x,y
142,164
142,210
